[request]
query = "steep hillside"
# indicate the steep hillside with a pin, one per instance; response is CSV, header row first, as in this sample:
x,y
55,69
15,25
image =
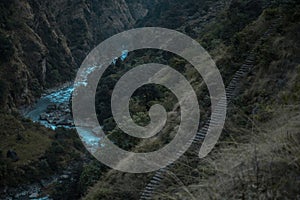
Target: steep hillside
x,y
44,42
251,155
258,155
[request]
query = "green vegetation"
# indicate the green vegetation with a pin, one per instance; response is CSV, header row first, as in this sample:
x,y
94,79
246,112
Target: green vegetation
x,y
28,141
3,92
41,152
91,173
229,23
258,154
6,48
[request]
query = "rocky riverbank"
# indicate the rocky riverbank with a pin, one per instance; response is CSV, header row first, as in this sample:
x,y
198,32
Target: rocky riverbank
x,y
40,190
53,109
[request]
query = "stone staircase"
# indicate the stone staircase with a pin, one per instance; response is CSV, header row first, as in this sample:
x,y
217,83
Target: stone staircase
x,y
231,91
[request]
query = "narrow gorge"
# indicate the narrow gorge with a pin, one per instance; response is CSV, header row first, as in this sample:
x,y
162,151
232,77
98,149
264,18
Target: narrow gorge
x,y
255,46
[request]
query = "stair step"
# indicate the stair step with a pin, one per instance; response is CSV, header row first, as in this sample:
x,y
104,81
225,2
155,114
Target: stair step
x,y
145,197
198,139
148,192
240,72
154,181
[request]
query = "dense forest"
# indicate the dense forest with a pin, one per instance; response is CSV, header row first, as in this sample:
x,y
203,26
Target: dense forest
x,y
43,44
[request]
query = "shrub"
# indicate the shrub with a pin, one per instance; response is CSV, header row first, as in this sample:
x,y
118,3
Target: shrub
x,y
3,93
90,175
6,48
271,13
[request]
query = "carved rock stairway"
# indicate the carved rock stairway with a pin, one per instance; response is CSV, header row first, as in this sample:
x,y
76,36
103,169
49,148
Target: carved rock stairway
x,y
231,91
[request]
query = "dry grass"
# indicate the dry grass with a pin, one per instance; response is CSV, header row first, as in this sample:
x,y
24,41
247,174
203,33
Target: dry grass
x,y
265,167
262,168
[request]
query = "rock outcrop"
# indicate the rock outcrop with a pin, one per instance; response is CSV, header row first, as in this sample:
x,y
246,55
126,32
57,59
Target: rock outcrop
x,y
43,42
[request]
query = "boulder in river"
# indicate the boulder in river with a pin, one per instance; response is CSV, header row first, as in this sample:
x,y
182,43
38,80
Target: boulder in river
x,y
44,116
63,106
51,107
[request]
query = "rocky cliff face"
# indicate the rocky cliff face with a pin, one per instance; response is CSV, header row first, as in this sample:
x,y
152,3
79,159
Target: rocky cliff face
x,y
43,42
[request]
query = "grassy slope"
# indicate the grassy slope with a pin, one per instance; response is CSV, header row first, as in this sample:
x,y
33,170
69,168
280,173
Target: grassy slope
x,y
42,152
29,142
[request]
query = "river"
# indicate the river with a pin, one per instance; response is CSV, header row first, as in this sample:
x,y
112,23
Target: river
x,y
52,110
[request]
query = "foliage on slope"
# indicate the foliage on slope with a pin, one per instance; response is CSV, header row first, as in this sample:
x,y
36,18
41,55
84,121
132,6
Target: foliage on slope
x,y
258,156
212,178
42,154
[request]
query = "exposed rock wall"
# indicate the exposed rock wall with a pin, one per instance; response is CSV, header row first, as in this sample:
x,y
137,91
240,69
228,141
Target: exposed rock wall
x,y
43,42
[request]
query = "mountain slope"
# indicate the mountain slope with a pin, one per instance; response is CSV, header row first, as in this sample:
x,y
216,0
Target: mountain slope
x,y
44,42
272,83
